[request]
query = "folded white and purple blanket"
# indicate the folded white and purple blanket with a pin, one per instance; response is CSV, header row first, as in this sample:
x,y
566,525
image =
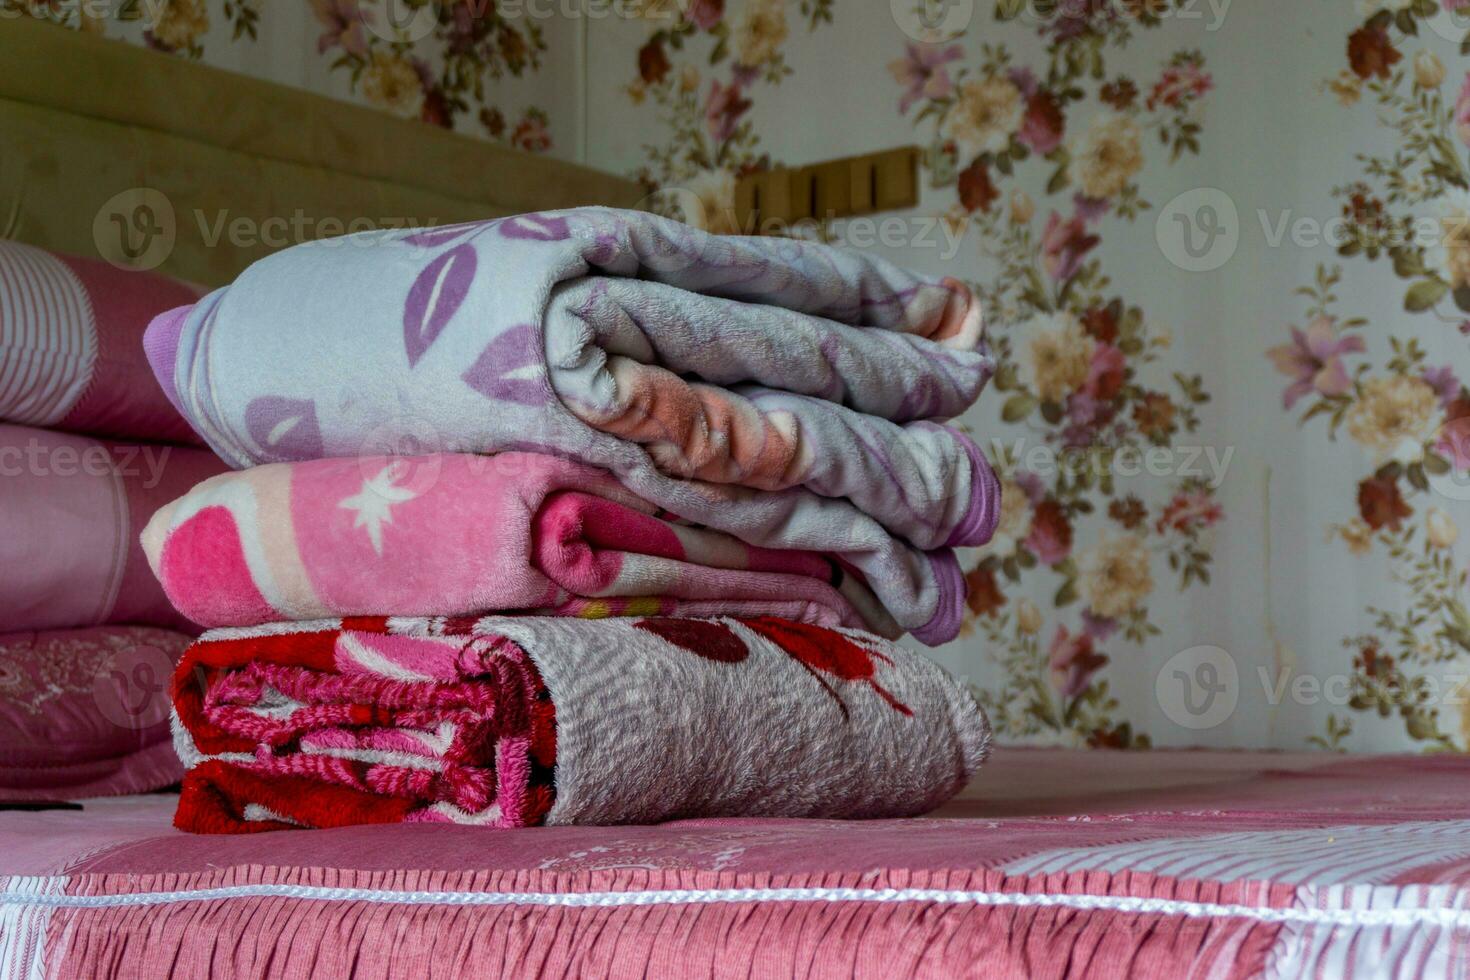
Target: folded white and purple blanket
x,y
787,393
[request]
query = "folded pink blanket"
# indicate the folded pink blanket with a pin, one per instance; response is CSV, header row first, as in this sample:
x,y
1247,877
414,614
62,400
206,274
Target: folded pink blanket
x,y
70,511
459,535
511,722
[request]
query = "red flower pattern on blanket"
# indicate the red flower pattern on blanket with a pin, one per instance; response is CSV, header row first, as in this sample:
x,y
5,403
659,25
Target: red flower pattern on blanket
x,y
712,641
815,649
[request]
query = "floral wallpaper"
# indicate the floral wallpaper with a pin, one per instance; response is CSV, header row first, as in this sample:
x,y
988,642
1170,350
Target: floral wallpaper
x,y
702,101
1080,560
1073,570
462,65
1369,386
475,50
1319,552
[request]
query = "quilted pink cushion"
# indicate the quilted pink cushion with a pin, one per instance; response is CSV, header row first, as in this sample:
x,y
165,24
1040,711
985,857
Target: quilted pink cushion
x,y
85,712
71,346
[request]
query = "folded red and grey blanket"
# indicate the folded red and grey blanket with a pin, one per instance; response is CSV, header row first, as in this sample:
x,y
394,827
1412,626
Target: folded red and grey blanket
x,y
513,722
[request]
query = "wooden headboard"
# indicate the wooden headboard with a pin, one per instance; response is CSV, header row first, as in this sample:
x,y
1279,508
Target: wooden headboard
x,y
151,160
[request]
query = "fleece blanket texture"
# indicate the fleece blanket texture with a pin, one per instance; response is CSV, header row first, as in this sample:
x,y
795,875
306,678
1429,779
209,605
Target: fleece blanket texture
x,y
458,534
511,722
788,393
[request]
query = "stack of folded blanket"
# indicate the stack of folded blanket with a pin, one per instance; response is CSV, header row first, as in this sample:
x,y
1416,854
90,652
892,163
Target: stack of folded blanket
x,y
89,448
578,517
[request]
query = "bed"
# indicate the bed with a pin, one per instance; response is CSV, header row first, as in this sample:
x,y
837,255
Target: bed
x,y
95,130
1050,864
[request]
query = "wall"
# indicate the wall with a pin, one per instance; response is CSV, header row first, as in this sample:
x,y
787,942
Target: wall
x,y
490,70
1260,545
1140,192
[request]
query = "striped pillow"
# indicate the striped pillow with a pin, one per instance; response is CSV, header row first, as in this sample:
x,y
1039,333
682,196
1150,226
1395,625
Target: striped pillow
x,y
71,346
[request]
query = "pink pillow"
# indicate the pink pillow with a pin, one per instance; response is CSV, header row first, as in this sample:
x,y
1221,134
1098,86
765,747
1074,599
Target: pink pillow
x,y
71,346
71,510
85,712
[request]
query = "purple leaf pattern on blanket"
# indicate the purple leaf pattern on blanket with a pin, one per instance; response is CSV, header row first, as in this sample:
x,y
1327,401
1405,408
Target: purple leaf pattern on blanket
x,y
284,428
536,228
435,297
510,354
434,237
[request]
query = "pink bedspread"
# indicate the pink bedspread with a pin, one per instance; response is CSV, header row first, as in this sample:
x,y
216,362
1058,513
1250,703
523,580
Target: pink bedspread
x,y
1167,864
